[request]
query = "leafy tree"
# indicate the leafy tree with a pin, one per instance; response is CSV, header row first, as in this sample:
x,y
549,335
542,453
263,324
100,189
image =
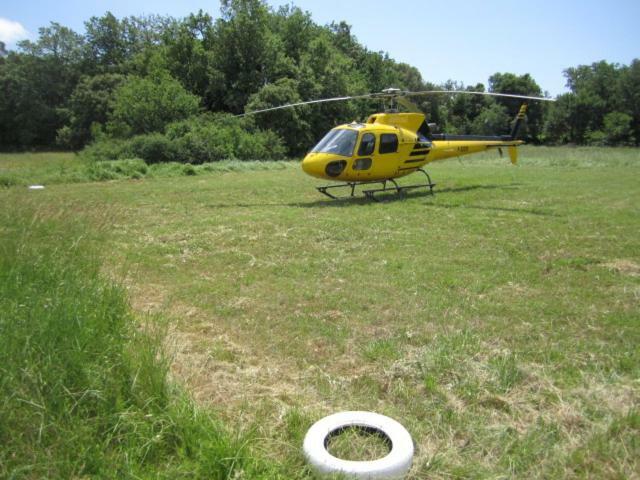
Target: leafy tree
x,y
36,82
617,129
492,120
462,110
27,117
409,78
56,42
296,30
91,103
141,32
345,41
630,95
328,73
598,80
111,44
290,124
189,58
603,98
379,71
105,42
520,85
559,123
146,105
241,50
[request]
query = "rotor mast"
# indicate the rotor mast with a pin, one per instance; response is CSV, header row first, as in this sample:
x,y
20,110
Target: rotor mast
x,y
395,97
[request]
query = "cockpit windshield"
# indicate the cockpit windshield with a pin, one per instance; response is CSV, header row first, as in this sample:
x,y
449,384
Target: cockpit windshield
x,y
339,141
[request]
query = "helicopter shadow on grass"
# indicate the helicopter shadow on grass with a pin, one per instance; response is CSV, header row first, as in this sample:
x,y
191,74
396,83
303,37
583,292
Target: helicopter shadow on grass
x,y
438,193
530,211
342,202
347,202
391,196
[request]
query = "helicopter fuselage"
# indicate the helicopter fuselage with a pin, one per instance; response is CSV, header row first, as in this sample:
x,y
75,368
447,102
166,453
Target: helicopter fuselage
x,y
388,146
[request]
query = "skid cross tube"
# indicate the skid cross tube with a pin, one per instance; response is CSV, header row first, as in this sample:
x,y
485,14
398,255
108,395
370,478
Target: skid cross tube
x,y
370,193
351,185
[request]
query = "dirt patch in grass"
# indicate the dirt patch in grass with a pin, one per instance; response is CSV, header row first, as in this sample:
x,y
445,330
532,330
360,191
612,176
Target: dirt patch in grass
x,y
219,371
626,267
147,298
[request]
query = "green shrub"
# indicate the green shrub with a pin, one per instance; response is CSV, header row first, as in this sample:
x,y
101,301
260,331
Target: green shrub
x,y
117,169
197,140
189,170
7,181
146,105
596,138
211,138
204,145
106,149
153,148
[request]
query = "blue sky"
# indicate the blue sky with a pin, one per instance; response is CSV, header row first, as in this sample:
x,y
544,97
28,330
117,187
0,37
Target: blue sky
x,y
463,40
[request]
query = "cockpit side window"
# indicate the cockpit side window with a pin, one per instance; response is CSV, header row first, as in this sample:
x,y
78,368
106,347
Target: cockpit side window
x,y
388,143
367,144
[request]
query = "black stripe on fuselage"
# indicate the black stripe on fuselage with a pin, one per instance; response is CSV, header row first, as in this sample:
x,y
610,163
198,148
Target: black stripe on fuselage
x,y
418,152
418,146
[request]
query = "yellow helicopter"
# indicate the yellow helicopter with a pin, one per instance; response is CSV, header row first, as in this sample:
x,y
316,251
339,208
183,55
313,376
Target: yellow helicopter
x,y
393,144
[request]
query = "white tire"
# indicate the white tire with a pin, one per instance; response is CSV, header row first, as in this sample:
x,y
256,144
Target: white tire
x,y
394,465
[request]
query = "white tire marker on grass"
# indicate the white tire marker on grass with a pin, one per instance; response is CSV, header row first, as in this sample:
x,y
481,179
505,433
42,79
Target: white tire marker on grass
x,y
394,465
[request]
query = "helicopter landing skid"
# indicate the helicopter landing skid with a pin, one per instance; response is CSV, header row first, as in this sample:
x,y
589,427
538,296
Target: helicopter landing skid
x,y
370,194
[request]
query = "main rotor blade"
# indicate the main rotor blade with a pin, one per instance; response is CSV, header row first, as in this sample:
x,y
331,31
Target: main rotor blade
x,y
395,94
491,94
323,100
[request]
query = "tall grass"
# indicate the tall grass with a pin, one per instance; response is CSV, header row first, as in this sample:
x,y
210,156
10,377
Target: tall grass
x,y
56,168
83,391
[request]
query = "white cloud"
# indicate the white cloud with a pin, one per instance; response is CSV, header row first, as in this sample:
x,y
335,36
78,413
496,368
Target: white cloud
x,y
11,31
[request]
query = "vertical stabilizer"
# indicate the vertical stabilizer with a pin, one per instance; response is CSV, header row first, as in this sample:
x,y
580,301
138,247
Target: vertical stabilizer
x,y
518,123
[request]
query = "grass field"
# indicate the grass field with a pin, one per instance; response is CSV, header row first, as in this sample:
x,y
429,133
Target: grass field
x,y
497,320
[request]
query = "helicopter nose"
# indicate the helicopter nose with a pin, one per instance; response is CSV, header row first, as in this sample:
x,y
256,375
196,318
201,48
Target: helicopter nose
x,y
313,164
322,165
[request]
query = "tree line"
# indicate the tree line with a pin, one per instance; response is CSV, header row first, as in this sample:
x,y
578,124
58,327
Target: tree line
x,y
161,89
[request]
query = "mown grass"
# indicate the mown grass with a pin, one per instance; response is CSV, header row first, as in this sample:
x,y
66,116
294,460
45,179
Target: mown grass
x,y
497,320
358,444
83,389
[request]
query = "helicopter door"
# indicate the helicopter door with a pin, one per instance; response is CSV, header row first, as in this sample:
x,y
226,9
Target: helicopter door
x,y
386,158
363,161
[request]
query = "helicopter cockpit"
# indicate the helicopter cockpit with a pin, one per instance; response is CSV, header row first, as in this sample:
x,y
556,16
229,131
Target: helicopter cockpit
x,y
339,141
